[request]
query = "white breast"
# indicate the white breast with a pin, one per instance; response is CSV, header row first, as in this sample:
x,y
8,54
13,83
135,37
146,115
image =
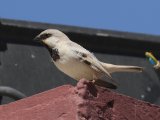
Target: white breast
x,y
76,69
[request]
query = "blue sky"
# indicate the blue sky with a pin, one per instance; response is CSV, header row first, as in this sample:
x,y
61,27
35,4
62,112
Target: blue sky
x,y
142,16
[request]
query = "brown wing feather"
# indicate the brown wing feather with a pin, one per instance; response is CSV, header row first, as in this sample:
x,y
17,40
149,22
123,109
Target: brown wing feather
x,y
89,59
93,62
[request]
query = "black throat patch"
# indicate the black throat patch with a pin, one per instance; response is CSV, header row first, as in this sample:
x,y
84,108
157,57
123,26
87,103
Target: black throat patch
x,y
54,53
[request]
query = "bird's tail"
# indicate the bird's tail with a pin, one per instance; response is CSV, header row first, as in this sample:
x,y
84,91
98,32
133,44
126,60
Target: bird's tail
x,y
121,68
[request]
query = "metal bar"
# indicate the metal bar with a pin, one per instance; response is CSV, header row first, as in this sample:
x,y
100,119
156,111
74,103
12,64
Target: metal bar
x,y
11,92
107,41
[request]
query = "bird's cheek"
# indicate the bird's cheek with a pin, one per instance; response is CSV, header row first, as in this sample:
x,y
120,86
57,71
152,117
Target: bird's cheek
x,y
47,43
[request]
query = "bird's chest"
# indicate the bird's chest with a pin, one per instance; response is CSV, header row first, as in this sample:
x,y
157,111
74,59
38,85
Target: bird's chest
x,y
75,69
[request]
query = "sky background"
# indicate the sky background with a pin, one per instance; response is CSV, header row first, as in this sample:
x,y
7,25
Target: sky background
x,y
141,16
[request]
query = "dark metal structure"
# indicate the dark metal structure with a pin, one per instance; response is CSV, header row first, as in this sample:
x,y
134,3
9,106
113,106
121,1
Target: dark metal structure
x,y
25,65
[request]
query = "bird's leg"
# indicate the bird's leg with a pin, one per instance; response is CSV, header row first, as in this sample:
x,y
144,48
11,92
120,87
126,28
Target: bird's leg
x,y
93,80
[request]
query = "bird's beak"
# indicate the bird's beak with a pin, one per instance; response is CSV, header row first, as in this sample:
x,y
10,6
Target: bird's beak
x,y
37,39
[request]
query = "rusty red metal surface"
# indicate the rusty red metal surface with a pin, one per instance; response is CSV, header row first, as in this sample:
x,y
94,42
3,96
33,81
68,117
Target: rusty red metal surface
x,y
83,102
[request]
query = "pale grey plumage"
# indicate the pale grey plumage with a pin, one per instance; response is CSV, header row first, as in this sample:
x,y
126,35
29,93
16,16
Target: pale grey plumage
x,y
76,61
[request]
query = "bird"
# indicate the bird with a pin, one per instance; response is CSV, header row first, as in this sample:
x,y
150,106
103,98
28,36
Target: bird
x,y
78,62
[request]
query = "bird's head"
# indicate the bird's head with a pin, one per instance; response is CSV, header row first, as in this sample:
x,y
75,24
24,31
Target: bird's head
x,y
50,37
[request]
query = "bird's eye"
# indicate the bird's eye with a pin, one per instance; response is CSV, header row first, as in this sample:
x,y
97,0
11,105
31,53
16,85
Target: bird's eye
x,y
45,36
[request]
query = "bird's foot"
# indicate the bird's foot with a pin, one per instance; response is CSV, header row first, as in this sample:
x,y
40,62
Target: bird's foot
x,y
93,81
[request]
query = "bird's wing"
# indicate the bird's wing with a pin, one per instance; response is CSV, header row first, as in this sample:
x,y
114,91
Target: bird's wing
x,y
88,58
